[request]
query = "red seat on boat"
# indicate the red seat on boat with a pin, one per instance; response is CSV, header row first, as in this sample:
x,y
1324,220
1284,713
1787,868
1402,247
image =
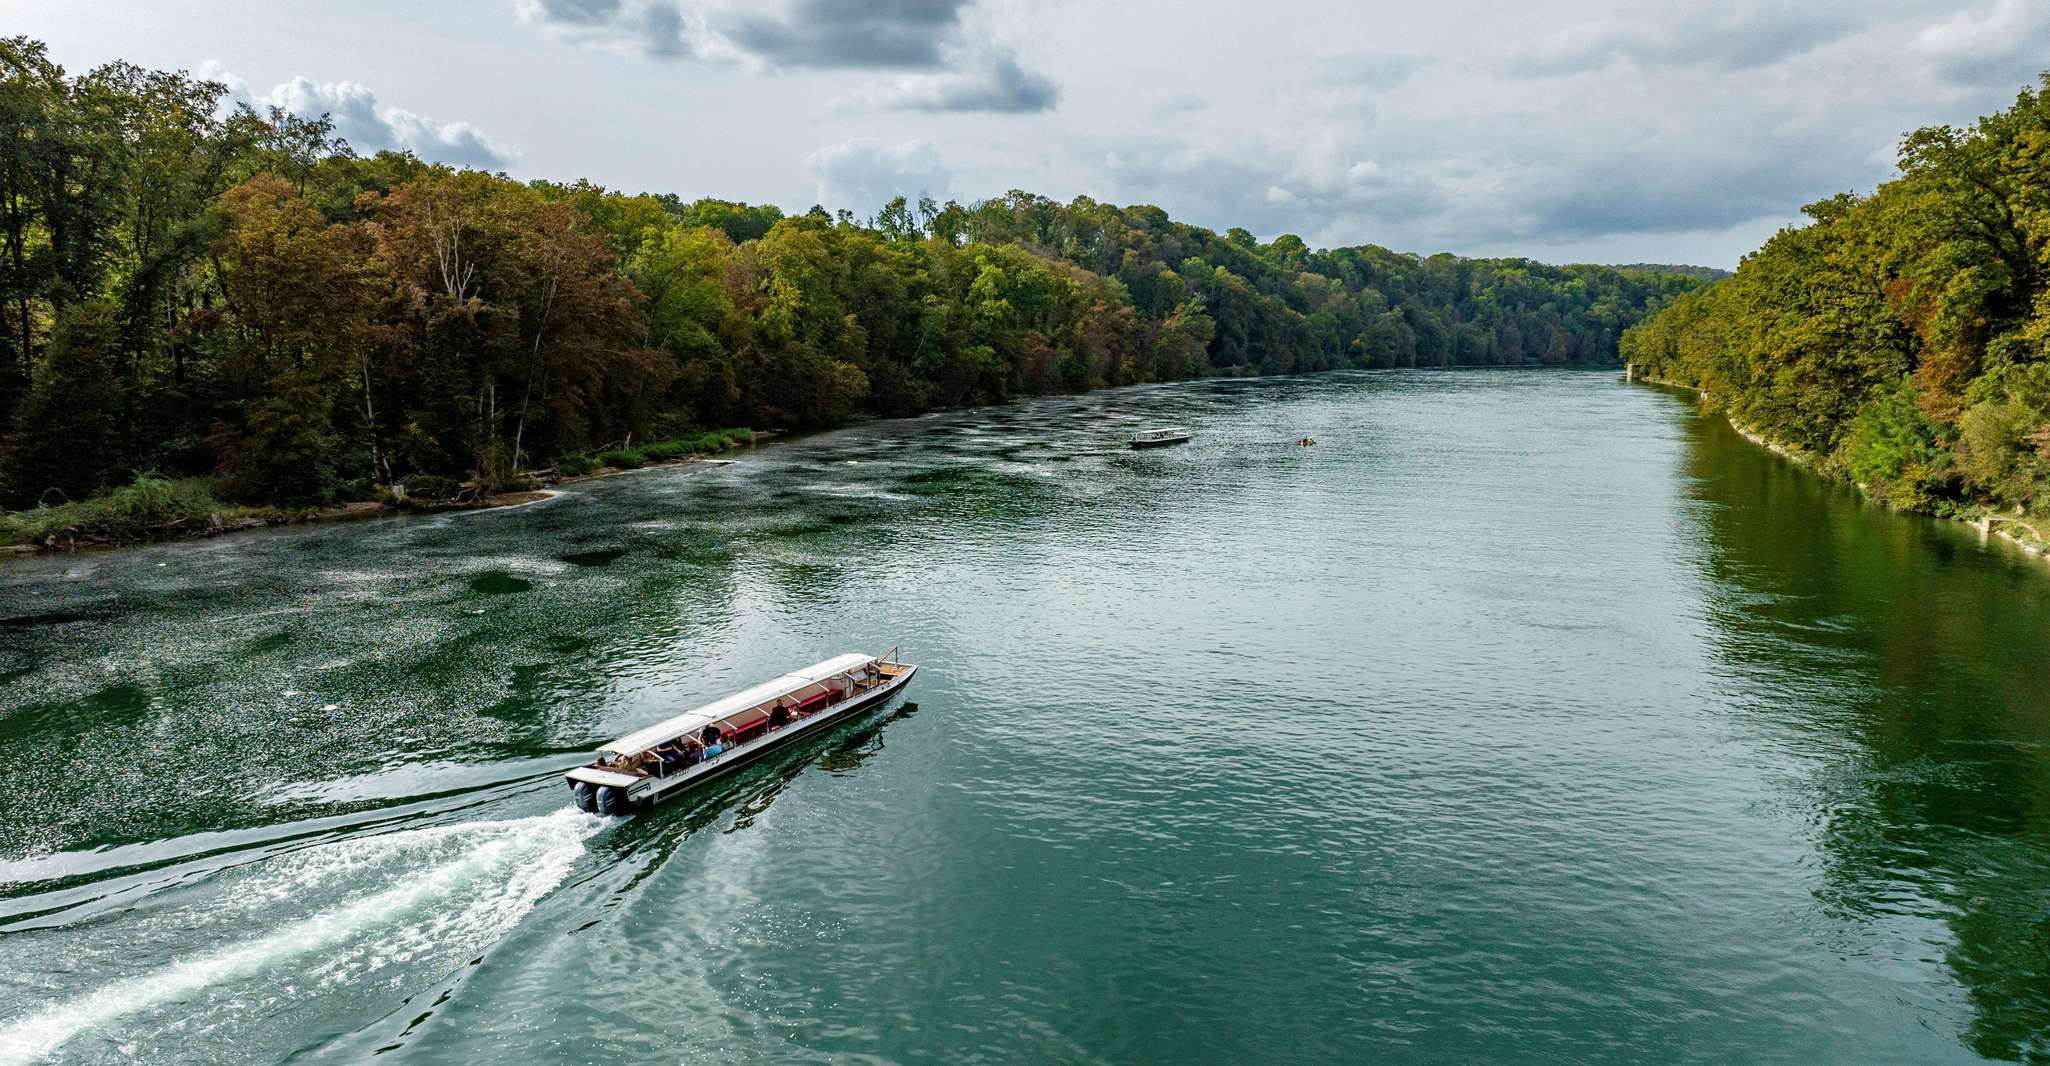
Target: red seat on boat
x,y
745,725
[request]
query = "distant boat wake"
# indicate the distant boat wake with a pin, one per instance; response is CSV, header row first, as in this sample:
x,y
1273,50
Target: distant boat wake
x,y
408,906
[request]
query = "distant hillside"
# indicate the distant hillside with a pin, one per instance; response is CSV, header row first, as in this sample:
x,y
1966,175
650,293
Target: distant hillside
x,y
192,291
1704,273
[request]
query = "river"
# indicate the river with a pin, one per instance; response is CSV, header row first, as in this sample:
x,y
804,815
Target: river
x,y
1527,716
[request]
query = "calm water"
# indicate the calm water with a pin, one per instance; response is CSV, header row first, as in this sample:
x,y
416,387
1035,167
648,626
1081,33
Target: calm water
x,y
1526,717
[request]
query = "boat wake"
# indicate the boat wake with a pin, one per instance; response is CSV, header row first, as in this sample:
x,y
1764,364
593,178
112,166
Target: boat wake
x,y
391,912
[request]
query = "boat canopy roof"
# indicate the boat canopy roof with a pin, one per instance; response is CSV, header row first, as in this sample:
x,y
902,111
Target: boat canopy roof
x,y
693,720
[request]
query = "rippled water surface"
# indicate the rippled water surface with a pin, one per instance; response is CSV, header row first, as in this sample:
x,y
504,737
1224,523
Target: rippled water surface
x,y
1526,717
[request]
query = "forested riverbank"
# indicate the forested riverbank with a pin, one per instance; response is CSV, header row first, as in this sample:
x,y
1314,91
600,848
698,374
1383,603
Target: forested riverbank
x,y
1901,339
191,290
1756,721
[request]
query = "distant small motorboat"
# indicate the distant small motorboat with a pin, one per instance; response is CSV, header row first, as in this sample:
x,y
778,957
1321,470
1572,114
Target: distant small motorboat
x,y
645,767
1156,438
1306,442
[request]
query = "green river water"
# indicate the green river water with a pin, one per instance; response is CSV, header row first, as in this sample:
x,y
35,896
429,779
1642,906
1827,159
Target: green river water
x,y
1527,717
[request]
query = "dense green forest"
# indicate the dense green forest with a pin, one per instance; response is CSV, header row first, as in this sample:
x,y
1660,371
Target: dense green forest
x,y
191,289
1900,339
1702,272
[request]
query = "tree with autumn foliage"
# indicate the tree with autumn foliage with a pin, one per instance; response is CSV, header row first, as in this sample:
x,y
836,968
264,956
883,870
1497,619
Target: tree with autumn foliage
x,y
1900,338
245,299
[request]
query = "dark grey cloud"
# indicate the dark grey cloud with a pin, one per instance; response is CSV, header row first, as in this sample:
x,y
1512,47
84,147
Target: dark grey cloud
x,y
1742,35
662,32
1349,87
994,82
1659,195
1178,104
1718,118
836,35
658,29
578,12
1561,124
1458,159
1420,197
944,63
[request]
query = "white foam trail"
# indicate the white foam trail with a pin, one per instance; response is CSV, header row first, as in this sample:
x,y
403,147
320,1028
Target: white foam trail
x,y
528,857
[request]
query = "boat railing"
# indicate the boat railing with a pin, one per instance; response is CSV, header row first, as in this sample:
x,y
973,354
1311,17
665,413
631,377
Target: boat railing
x,y
663,771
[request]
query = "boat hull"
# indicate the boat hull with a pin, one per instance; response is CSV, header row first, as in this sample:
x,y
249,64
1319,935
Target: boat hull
x,y
1160,443
645,792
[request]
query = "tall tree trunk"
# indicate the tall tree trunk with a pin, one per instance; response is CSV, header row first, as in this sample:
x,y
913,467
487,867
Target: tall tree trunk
x,y
534,369
377,460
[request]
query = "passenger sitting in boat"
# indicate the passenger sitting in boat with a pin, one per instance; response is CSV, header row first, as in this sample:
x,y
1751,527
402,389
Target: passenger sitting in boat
x,y
710,736
780,716
714,749
693,752
670,754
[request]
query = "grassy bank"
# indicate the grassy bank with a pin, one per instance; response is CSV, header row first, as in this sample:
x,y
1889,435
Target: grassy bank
x,y
152,508
653,452
148,508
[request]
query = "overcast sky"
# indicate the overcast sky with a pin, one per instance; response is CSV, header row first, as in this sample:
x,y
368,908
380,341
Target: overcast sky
x,y
1567,130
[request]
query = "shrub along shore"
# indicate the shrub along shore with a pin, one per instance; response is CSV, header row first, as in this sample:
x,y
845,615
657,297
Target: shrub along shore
x,y
154,508
2017,527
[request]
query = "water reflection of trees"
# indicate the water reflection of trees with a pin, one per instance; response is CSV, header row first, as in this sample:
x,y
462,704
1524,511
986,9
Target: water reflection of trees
x,y
1932,728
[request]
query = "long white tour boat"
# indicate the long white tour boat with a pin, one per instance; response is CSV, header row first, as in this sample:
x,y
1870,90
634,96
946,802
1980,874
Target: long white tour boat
x,y
643,768
1159,438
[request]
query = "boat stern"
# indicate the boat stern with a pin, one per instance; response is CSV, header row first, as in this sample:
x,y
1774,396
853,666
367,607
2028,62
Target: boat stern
x,y
600,791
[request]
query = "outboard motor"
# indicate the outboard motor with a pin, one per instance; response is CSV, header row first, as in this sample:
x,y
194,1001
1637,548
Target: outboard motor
x,y
611,800
586,801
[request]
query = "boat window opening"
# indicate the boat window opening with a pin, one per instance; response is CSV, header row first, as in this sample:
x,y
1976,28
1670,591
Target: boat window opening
x,y
622,777
726,735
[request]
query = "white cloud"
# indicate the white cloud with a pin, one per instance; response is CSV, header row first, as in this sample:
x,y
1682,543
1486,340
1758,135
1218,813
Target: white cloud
x,y
862,174
372,127
1992,45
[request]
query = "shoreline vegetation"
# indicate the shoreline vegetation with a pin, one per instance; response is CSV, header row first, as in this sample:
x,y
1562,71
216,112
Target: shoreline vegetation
x,y
2031,536
153,509
1899,341
206,310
